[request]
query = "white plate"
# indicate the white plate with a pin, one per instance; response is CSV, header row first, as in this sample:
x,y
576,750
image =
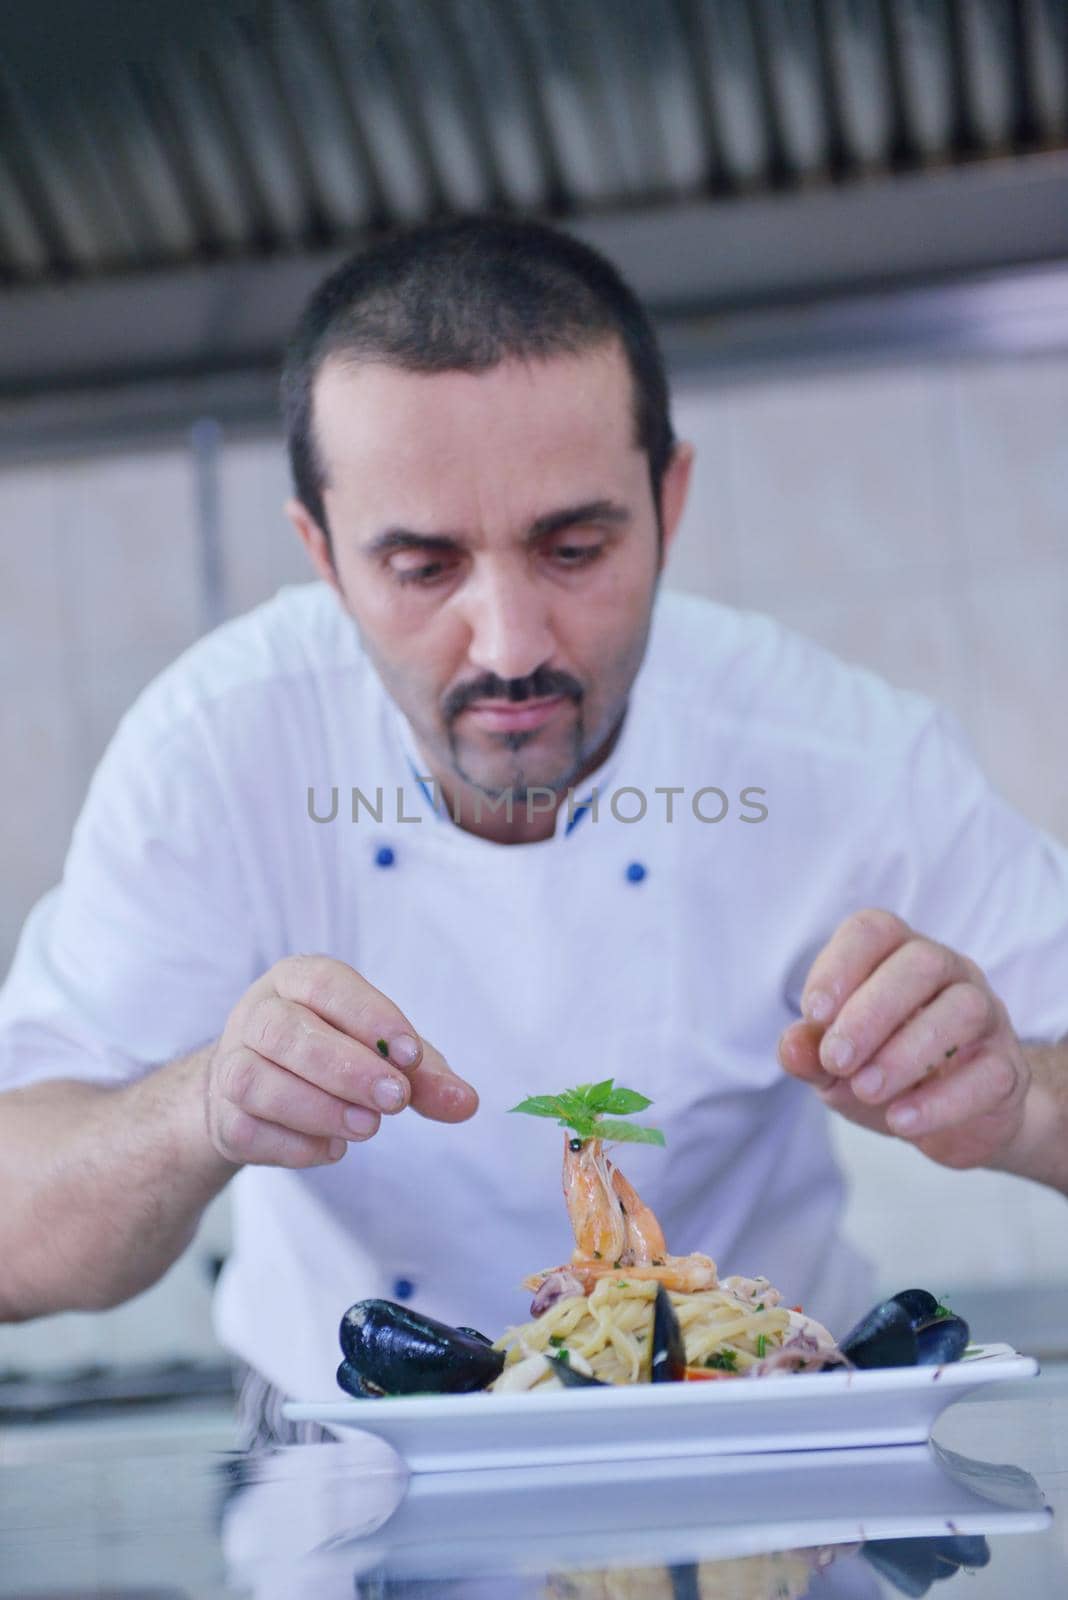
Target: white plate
x,y
816,1411
710,1509
311,1520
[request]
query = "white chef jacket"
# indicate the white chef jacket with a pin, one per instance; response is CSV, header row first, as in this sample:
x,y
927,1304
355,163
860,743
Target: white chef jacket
x,y
668,955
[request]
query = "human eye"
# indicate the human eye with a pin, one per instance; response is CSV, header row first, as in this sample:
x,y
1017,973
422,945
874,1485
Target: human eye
x,y
416,568
574,553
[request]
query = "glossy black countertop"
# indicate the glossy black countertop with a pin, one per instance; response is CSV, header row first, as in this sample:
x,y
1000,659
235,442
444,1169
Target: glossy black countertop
x,y
982,1512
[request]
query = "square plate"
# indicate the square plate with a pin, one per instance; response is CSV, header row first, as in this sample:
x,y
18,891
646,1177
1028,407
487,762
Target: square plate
x,y
804,1411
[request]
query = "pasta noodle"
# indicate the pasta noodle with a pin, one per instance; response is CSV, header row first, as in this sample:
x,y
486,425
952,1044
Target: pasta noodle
x,y
611,1329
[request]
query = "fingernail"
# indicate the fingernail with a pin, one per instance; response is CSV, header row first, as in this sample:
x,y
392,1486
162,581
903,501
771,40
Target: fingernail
x,y
388,1094
837,1052
405,1050
818,1006
868,1082
336,1149
902,1119
359,1121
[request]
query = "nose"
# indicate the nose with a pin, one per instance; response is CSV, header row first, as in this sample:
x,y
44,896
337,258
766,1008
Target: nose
x,y
509,622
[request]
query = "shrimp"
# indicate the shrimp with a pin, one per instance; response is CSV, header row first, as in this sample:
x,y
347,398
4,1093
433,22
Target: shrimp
x,y
614,1229
598,1217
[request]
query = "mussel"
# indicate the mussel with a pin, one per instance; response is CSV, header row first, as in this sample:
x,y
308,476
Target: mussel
x,y
572,1378
349,1380
669,1348
913,1565
944,1339
910,1329
884,1338
390,1349
920,1304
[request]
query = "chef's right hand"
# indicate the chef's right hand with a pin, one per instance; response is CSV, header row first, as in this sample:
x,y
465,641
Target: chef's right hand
x,y
311,1058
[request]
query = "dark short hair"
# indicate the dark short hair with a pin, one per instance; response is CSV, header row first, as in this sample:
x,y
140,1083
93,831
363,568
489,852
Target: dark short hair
x,y
463,296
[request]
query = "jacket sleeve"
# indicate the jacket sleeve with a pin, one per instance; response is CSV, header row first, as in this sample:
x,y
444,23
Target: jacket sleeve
x,y
142,950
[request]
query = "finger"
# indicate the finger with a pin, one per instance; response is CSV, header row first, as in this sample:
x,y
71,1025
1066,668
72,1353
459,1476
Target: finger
x,y
799,1054
908,978
301,1041
437,1091
955,1021
851,954
272,1094
984,1086
350,1004
248,1141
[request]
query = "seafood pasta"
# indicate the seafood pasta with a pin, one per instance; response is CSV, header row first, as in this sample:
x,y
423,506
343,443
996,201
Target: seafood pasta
x,y
623,1309
600,1307
609,1331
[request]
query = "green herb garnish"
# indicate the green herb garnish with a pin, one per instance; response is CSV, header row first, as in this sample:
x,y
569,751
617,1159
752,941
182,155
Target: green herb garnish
x,y
564,1355
382,1047
592,1111
762,1346
557,1339
941,1312
724,1360
760,1307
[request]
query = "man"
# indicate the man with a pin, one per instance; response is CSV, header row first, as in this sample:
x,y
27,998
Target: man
x,y
483,796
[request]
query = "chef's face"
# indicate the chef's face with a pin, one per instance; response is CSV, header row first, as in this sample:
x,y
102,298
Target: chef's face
x,y
495,539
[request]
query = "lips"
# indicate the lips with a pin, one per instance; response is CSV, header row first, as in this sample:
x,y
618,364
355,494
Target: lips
x,y
506,716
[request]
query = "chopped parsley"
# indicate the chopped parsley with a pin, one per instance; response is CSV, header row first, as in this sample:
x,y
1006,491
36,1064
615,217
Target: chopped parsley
x,y
761,1346
760,1307
942,1311
724,1360
382,1047
557,1339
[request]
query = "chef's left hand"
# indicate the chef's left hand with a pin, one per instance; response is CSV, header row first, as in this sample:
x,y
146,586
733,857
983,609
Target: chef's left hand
x,y
905,1036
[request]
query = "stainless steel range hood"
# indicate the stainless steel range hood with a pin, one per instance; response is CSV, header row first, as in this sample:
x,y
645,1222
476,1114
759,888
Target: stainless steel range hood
x,y
172,182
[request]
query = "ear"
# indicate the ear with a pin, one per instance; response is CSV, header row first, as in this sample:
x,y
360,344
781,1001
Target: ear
x,y
674,488
314,541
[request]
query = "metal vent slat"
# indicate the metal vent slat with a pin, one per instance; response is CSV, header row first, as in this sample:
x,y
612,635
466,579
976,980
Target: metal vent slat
x,y
265,127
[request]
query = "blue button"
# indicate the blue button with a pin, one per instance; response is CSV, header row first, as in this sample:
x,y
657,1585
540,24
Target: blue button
x,y
385,857
635,872
403,1288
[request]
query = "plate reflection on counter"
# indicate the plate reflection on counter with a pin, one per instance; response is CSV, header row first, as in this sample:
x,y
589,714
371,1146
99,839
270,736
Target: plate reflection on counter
x,y
316,1521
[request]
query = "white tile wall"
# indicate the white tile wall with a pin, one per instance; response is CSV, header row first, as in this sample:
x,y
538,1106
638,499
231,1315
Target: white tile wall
x,y
913,520
260,549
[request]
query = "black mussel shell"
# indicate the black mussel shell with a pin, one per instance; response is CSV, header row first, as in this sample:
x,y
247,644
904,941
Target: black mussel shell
x,y
399,1351
481,1337
919,1303
941,1341
913,1565
669,1348
884,1338
574,1380
349,1380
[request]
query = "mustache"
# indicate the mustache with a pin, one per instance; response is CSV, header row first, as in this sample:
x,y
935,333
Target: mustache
x,y
541,684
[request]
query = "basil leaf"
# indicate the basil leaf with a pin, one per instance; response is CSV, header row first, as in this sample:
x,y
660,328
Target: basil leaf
x,y
622,1102
539,1105
597,1095
627,1132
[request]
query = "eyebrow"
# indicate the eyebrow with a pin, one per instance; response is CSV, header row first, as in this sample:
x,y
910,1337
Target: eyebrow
x,y
391,539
